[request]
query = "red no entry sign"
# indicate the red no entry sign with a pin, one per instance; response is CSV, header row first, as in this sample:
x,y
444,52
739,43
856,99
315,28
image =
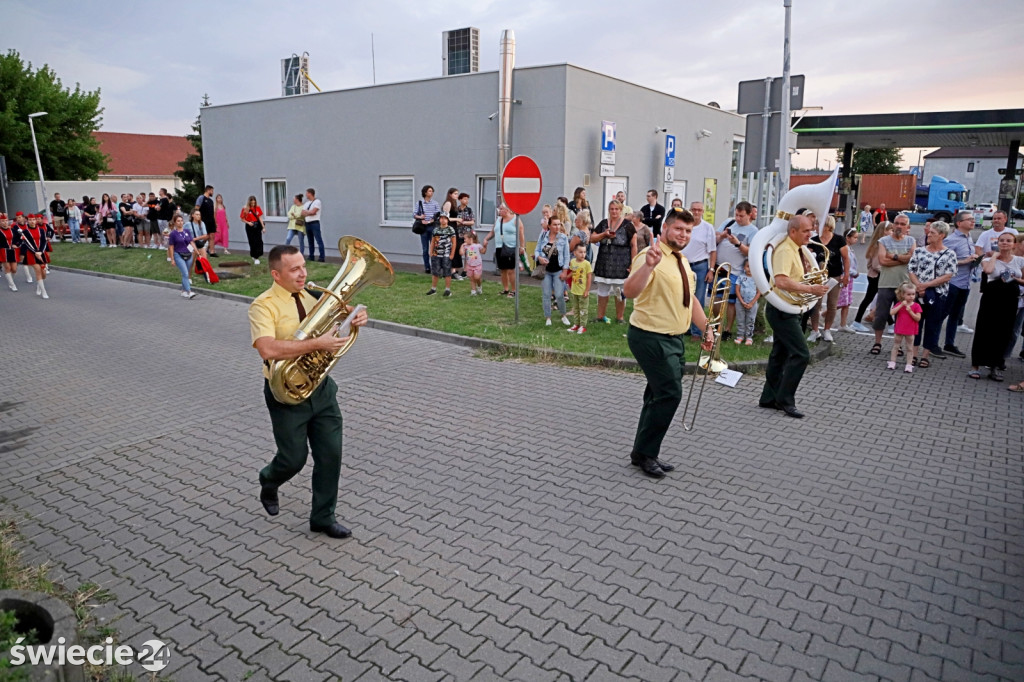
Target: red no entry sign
x,y
521,184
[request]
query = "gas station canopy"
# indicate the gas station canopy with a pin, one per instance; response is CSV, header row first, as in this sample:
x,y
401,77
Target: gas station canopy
x,y
987,128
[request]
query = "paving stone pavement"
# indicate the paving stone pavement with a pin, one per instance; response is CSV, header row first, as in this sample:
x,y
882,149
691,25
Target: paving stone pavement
x,y
499,533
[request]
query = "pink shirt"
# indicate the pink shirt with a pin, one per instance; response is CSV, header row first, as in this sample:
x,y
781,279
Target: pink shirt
x,y
905,324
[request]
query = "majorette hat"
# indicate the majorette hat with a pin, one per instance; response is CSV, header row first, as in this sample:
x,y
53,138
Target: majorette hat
x,y
19,213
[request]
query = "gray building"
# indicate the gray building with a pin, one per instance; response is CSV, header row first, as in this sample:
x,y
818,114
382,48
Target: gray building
x,y
367,151
979,169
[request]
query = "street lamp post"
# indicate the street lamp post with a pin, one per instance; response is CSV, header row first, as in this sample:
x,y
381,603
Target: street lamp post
x,y
39,164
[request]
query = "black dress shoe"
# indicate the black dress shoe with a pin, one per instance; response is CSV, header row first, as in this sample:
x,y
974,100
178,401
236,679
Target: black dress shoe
x,y
268,496
772,405
665,466
335,530
793,412
635,459
651,468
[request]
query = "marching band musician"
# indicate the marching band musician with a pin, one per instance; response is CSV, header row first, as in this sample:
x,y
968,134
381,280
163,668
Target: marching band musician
x,y
33,251
664,288
10,240
274,317
789,356
20,225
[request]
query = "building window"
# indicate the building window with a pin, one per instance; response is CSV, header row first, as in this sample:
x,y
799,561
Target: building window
x,y
487,187
396,200
274,204
970,166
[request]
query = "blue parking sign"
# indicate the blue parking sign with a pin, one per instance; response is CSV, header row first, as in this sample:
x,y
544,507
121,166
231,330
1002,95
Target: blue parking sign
x,y
607,136
670,150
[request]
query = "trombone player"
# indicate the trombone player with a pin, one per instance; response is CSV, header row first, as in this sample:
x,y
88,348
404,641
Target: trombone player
x,y
789,356
664,289
273,318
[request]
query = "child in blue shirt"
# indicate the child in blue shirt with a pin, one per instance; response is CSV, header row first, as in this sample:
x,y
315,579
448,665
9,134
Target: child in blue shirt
x,y
747,296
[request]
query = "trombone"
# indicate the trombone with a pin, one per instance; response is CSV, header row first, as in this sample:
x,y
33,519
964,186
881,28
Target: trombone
x,y
710,360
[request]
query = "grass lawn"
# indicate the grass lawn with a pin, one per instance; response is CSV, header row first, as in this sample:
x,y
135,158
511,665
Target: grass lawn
x,y
489,316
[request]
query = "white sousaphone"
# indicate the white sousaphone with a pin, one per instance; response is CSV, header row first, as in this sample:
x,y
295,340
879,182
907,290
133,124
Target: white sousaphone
x,y
813,198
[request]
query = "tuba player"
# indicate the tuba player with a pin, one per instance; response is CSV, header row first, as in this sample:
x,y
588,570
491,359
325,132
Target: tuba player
x,y
789,356
273,317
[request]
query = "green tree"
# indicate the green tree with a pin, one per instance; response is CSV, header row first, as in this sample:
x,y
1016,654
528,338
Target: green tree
x,y
67,149
191,169
877,160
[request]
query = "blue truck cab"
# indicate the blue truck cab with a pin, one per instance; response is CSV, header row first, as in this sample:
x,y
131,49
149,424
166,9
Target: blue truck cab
x,y
942,198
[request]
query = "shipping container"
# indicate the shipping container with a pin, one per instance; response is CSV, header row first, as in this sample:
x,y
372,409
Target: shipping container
x,y
896,191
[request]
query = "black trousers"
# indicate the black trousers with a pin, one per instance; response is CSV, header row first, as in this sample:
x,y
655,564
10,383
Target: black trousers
x,y
661,358
254,233
788,359
869,296
318,421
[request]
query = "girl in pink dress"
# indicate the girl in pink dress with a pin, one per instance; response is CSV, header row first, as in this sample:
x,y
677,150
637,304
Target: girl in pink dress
x,y
221,216
907,313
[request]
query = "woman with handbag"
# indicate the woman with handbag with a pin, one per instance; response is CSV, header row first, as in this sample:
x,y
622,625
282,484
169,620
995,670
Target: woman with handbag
x,y
930,269
552,256
424,219
617,237
506,227
252,216
296,224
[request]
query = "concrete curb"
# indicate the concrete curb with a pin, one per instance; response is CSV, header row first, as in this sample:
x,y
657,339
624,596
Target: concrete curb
x,y
818,353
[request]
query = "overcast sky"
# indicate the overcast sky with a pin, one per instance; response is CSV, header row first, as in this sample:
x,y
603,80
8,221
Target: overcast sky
x,y
154,61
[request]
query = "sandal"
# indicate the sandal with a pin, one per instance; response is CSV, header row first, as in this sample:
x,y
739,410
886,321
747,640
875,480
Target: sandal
x,y
974,374
924,363
995,375
876,349
1016,388
913,362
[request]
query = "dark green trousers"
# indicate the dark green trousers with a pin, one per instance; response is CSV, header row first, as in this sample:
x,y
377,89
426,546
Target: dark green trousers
x,y
788,359
317,420
661,358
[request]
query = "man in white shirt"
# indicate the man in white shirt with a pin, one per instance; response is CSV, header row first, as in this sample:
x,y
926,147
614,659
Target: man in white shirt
x,y
311,212
733,246
621,196
986,244
701,253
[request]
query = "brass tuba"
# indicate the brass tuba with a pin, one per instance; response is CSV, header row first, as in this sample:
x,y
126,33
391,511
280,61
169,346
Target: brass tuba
x,y
293,381
817,199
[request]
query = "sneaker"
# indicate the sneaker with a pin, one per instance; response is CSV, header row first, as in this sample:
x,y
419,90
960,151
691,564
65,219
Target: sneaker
x,y
184,294
547,322
954,351
457,277
965,329
738,341
937,353
225,252
909,369
447,292
169,260
472,292
858,327
770,338
572,329
848,328
750,342
828,336
255,261
814,336
565,321
581,330
604,319
890,329
431,292
890,365
191,295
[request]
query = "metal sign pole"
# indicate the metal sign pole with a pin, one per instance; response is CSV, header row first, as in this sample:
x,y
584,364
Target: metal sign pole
x,y
766,116
785,124
515,265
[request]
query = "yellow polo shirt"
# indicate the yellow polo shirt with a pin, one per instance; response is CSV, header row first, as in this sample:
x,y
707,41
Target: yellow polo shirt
x,y
275,314
786,260
659,307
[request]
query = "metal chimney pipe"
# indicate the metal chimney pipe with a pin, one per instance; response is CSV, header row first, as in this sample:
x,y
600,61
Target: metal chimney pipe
x,y
506,65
